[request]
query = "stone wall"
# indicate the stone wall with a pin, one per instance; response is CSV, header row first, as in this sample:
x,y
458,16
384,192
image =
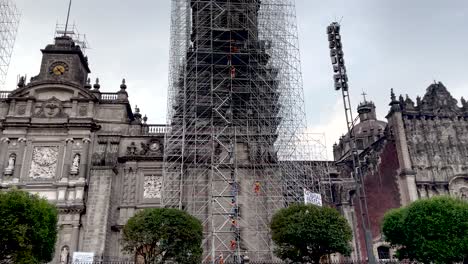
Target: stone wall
x,y
97,210
381,174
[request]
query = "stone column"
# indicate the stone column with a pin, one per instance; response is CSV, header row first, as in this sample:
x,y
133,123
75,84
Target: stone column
x,y
19,159
75,236
84,159
68,159
3,151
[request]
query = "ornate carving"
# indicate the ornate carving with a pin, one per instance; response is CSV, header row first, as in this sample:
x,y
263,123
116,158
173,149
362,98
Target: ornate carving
x,y
44,162
132,149
152,187
83,110
51,108
152,148
21,109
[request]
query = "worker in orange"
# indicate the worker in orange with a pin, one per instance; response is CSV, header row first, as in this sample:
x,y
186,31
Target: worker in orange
x,y
257,187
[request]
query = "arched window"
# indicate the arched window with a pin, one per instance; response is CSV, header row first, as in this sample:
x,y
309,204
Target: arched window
x,y
383,252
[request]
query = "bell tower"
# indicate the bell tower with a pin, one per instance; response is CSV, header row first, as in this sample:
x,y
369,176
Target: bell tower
x,y
63,61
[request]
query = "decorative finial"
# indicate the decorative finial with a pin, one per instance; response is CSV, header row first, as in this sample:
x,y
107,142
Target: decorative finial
x,y
145,118
464,103
137,110
392,95
123,86
97,85
88,84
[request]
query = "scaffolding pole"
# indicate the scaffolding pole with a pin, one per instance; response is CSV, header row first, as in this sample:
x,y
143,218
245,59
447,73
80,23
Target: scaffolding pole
x,y
9,22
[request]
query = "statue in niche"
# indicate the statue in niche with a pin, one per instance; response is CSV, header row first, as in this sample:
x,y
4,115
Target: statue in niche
x,y
464,193
132,149
11,164
64,255
76,164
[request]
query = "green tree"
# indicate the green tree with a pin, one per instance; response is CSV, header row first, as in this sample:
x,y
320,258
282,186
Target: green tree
x,y
429,230
28,228
305,233
163,235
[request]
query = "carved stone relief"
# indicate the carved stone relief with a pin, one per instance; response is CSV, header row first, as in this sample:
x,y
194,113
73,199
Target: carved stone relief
x,y
44,162
51,108
21,109
83,110
152,148
459,187
152,187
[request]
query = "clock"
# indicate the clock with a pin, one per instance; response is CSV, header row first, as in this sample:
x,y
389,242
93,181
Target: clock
x,y
58,68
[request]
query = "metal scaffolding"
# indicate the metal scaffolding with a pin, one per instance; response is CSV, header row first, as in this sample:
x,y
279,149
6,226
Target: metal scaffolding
x,y
237,143
9,21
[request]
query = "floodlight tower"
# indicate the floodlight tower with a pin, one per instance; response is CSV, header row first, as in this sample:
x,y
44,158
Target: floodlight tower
x,y
9,21
341,83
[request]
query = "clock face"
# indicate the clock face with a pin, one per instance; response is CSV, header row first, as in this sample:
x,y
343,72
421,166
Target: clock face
x,y
58,68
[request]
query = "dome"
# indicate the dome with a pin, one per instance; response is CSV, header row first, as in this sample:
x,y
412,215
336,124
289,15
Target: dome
x,y
366,132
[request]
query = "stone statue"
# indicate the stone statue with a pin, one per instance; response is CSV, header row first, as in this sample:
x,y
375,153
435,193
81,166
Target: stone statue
x,y
64,255
75,164
11,165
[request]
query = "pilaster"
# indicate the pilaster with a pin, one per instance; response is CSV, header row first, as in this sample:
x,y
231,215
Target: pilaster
x,y
19,159
407,177
3,151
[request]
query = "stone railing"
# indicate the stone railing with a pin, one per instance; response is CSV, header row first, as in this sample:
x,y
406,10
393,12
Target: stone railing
x,y
4,94
109,96
154,129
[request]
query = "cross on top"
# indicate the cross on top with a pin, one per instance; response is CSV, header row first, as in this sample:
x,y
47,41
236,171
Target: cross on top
x,y
364,96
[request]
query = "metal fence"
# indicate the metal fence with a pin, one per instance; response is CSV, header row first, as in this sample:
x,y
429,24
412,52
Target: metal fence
x,y
127,261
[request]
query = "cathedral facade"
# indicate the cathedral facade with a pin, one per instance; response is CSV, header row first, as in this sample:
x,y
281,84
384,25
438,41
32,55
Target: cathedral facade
x,y
84,150
420,153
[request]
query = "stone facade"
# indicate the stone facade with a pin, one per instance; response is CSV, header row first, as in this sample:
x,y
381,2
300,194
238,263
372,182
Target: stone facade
x,y
85,150
422,152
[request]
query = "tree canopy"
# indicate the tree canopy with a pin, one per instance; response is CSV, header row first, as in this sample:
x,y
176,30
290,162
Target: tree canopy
x,y
162,235
305,233
429,230
28,228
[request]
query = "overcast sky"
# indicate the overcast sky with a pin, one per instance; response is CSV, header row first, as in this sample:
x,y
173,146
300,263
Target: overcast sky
x,y
399,44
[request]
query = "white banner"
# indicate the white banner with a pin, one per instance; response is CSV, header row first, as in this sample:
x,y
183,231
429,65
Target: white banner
x,y
312,198
83,257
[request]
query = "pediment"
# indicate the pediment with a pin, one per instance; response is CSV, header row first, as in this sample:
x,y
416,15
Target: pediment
x,y
59,91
